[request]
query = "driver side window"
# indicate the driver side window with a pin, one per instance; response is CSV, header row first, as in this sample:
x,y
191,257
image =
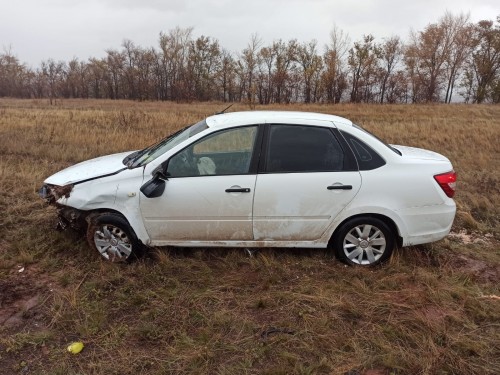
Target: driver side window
x,y
227,152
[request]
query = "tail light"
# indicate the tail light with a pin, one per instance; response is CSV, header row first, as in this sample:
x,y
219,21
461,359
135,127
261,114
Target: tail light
x,y
447,181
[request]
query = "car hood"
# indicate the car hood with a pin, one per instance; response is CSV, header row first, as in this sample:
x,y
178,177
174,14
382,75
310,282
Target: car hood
x,y
89,169
419,153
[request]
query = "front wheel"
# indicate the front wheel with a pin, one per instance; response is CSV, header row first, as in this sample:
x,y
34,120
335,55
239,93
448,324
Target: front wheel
x,y
113,238
365,241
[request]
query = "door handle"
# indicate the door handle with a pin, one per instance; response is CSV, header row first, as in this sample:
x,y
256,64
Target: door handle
x,y
238,190
339,187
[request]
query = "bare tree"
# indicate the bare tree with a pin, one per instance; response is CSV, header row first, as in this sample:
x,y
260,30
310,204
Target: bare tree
x,y
334,76
130,52
53,72
97,69
145,63
116,68
311,65
14,76
286,55
184,68
363,60
225,77
426,58
203,62
174,47
390,55
248,63
397,90
482,73
460,32
267,58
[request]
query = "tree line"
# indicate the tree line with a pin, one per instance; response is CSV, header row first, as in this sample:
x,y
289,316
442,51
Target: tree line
x,y
450,59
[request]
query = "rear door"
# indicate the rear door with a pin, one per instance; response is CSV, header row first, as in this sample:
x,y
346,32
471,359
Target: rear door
x,y
306,177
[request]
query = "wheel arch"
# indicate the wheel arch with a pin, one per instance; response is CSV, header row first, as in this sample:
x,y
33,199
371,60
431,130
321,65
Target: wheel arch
x,y
386,219
80,219
102,211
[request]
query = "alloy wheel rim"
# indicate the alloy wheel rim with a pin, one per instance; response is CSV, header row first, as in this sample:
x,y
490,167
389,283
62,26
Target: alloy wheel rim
x,y
364,244
112,243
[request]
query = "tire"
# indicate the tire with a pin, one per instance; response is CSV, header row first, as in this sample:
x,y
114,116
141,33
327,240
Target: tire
x,y
364,241
113,238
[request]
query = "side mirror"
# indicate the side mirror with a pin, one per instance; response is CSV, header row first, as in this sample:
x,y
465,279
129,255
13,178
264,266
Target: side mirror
x,y
155,187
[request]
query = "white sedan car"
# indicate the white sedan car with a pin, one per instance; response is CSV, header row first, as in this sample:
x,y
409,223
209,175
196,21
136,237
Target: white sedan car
x,y
260,179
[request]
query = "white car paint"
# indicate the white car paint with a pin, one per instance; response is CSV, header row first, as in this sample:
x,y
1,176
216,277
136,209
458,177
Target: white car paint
x,y
195,211
88,169
298,206
209,214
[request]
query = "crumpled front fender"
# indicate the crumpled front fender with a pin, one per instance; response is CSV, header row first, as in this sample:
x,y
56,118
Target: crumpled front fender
x,y
118,193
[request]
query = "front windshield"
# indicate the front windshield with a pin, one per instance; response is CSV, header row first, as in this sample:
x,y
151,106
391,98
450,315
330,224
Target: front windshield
x,y
152,152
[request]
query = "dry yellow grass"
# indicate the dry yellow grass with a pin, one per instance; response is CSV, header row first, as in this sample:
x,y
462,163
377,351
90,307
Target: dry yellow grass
x,y
429,310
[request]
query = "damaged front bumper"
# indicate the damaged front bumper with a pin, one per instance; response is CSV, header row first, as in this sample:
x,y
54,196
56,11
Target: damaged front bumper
x,y
52,193
68,217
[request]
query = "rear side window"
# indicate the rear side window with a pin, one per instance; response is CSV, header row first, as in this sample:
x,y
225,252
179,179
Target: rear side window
x,y
297,148
367,158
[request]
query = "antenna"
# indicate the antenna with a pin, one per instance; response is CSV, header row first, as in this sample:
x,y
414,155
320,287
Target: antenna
x,y
224,110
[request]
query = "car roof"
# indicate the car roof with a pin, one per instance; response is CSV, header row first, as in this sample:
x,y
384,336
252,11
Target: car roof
x,y
259,117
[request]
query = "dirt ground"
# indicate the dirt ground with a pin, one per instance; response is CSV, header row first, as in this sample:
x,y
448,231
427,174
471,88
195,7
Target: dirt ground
x,y
27,289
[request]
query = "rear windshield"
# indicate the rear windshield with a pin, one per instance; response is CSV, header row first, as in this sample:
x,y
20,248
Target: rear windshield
x,y
378,139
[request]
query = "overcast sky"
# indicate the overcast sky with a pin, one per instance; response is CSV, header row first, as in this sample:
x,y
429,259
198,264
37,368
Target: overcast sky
x,y
62,29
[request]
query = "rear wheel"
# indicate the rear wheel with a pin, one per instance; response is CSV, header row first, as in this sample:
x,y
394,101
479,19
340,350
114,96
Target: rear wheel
x,y
365,241
113,238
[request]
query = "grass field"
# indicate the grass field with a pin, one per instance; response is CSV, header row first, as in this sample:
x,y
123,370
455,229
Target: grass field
x,y
431,309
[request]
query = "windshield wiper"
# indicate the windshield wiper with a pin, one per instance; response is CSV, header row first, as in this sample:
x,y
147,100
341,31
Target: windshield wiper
x,y
150,149
130,159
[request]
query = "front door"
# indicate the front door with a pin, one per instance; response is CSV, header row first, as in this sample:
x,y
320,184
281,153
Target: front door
x,y
209,191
